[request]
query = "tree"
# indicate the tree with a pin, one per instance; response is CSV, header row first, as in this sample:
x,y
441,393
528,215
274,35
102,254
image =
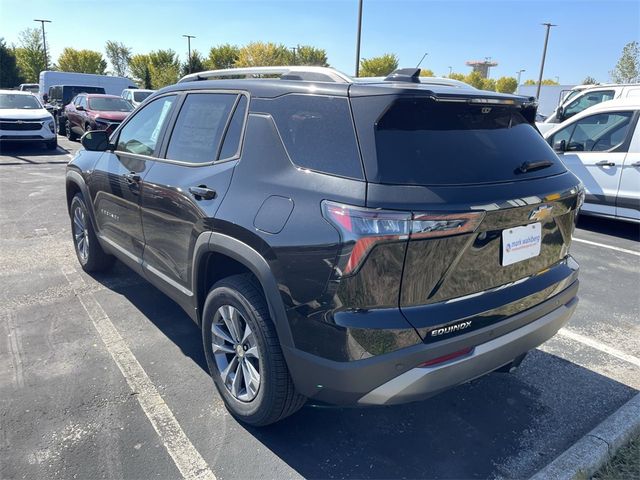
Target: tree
x,y
506,85
30,55
197,64
474,79
139,65
426,72
119,56
9,73
164,68
378,66
308,55
260,54
82,61
489,84
222,56
547,81
458,76
627,70
589,81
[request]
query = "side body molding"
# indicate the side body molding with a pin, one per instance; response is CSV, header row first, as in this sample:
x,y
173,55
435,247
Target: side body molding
x,y
250,258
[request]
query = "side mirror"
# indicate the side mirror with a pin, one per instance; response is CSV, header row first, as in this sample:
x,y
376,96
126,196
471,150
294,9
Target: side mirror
x,y
559,114
80,108
560,146
96,141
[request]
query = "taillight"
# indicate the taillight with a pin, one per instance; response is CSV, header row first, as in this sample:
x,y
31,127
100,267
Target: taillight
x,y
364,228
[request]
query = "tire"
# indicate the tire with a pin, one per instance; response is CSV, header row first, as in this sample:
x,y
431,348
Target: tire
x,y
275,396
90,254
62,125
52,145
70,135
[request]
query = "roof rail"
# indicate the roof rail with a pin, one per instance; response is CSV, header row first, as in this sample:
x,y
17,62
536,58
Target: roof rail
x,y
411,75
294,72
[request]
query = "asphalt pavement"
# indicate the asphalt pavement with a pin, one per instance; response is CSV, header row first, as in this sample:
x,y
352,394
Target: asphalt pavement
x,y
68,409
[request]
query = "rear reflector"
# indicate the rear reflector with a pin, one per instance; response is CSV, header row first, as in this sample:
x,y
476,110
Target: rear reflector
x,y
446,358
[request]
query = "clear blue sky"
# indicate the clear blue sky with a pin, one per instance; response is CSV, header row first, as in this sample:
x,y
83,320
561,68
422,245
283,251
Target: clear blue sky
x,y
588,40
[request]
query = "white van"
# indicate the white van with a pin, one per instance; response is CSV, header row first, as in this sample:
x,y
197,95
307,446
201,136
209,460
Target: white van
x,y
112,85
580,100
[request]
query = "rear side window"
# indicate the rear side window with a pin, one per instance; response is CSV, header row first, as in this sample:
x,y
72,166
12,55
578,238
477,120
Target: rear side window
x,y
423,142
318,133
200,126
231,143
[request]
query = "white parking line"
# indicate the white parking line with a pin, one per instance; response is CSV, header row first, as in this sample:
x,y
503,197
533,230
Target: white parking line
x,y
610,247
600,346
187,459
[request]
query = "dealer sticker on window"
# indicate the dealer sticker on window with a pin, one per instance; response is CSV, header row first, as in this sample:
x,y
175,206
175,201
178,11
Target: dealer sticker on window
x,y
521,243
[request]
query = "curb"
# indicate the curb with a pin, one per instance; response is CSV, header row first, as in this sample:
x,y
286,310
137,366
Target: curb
x,y
588,454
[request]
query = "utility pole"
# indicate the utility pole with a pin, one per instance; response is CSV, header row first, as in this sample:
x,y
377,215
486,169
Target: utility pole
x,y
450,70
189,37
44,42
358,37
544,55
519,72
423,57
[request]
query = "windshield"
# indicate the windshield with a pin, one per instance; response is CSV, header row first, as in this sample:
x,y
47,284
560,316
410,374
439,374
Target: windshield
x,y
140,96
106,104
31,88
422,142
27,102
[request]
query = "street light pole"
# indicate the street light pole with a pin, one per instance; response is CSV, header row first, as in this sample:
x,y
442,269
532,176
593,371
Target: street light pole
x,y
189,37
44,41
519,72
423,57
358,37
544,55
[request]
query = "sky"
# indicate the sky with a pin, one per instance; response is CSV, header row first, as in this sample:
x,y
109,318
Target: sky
x,y
587,41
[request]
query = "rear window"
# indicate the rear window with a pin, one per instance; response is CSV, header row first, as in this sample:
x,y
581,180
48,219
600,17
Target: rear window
x,y
423,142
317,132
68,92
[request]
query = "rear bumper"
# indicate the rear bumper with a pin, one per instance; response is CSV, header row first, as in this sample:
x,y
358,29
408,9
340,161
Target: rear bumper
x,y
396,378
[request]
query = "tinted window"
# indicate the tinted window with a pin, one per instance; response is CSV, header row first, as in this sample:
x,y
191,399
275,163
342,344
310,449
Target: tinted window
x,y
140,96
231,142
107,104
318,133
599,133
423,142
140,134
200,126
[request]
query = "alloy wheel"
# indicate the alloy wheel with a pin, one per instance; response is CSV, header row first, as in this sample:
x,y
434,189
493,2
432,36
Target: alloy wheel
x,y
236,353
80,233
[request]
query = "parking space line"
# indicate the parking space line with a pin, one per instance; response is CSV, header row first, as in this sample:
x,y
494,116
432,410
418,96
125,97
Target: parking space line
x,y
185,456
610,247
600,346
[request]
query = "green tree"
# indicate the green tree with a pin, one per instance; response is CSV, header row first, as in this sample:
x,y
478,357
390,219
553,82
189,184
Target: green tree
x,y
506,85
82,61
9,72
119,56
458,76
489,84
197,64
426,72
547,81
475,80
261,54
378,66
589,80
222,56
30,54
627,70
308,55
139,68
164,68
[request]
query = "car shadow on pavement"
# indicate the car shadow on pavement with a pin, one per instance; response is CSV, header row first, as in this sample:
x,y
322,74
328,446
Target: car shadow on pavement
x,y
616,228
21,151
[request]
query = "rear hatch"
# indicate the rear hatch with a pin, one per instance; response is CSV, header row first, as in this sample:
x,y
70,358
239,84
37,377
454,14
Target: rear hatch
x,y
493,208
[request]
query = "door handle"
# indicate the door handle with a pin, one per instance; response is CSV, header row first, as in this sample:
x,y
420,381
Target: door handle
x,y
635,164
132,177
201,192
605,163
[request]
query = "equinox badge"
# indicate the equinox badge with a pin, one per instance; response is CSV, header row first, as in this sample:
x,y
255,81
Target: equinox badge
x,y
450,329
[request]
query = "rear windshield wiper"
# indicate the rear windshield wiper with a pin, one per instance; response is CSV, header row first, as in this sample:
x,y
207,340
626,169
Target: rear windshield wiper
x,y
530,166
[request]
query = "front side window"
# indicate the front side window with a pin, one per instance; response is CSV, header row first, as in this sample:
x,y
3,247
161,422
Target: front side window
x,y
200,127
141,134
597,133
587,100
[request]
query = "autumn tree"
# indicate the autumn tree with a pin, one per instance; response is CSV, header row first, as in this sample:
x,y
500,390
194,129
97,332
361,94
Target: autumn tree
x,y
261,54
119,56
547,81
30,55
222,56
378,66
627,70
506,85
9,72
426,72
82,61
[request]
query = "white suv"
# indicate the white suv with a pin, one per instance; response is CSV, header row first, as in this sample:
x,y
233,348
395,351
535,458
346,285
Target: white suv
x,y
136,95
24,119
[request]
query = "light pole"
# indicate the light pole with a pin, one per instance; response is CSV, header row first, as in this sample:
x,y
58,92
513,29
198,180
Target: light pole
x,y
519,72
44,41
189,37
294,50
544,55
423,57
358,37
450,70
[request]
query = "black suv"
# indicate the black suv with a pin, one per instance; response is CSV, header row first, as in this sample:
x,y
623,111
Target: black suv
x,y
351,241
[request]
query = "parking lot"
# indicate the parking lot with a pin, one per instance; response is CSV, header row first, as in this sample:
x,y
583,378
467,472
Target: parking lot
x,y
104,376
